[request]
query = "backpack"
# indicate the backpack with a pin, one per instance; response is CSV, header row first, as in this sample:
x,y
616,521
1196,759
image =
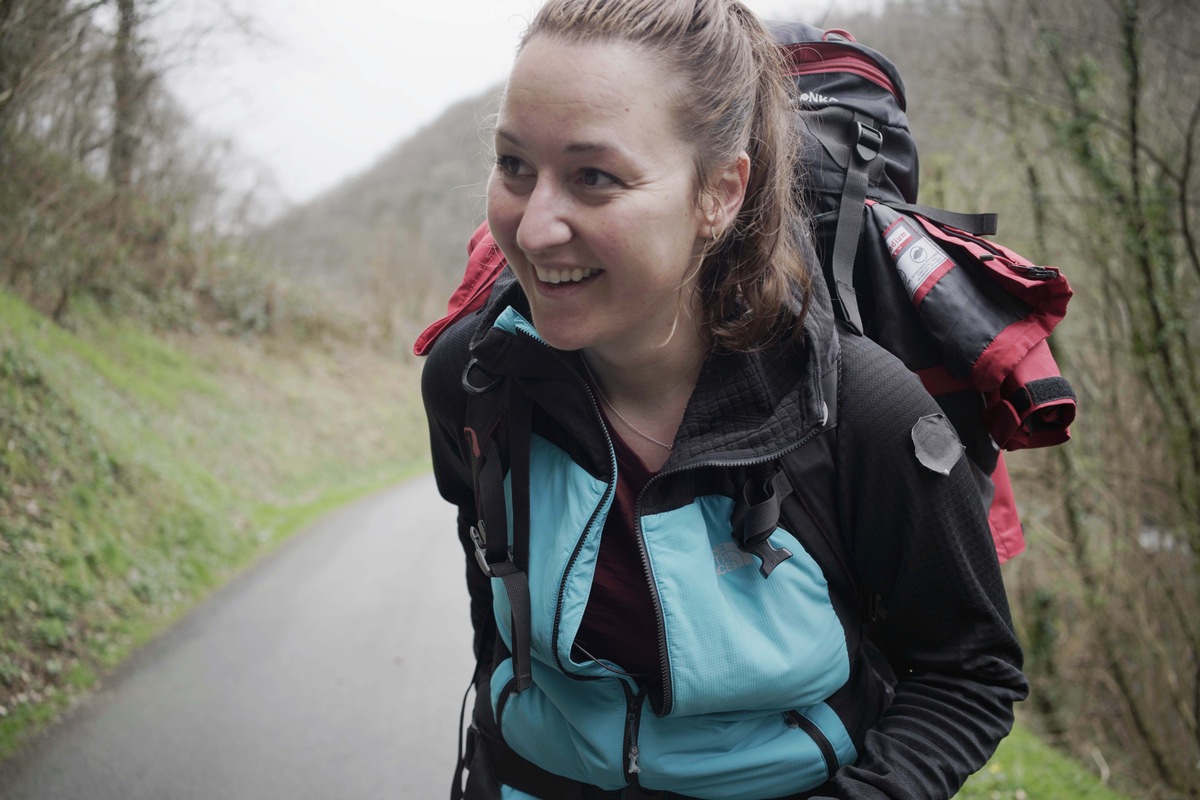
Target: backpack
x,y
968,316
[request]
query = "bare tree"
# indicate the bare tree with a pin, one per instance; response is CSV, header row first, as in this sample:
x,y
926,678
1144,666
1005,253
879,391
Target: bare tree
x,y
1101,101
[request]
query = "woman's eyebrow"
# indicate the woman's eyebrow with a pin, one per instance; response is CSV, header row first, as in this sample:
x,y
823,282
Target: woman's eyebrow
x,y
573,148
589,147
508,137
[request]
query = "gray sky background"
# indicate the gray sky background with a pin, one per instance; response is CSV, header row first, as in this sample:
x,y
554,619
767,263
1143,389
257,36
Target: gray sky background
x,y
321,90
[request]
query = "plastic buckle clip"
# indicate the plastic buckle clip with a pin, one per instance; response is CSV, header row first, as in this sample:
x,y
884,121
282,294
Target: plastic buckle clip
x,y
479,539
492,569
868,143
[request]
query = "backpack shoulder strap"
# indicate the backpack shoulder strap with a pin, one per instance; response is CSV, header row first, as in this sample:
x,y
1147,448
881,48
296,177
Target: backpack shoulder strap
x,y
490,535
864,162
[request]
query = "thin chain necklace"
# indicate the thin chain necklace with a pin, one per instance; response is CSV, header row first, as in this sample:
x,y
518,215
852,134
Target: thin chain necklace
x,y
621,416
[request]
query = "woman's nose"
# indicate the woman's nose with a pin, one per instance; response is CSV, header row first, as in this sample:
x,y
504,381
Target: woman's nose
x,y
543,222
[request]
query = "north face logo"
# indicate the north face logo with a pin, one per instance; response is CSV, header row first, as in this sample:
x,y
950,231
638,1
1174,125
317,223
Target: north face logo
x,y
728,556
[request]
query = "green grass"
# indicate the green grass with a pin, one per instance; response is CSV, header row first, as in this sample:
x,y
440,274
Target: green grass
x,y
140,471
1025,768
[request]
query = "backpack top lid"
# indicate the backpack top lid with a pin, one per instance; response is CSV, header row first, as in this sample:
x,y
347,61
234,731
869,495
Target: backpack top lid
x,y
839,81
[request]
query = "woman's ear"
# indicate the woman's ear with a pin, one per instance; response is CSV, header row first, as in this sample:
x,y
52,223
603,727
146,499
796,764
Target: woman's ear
x,y
725,198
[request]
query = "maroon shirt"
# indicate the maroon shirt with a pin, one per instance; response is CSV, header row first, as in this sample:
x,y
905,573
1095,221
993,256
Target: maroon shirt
x,y
618,623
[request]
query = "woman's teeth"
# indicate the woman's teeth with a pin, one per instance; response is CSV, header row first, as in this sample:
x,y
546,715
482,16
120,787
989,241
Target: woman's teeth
x,y
563,275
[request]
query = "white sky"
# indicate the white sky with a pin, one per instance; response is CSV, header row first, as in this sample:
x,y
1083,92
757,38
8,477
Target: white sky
x,y
326,88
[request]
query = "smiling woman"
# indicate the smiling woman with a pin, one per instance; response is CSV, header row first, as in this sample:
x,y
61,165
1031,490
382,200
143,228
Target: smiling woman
x,y
598,211
680,480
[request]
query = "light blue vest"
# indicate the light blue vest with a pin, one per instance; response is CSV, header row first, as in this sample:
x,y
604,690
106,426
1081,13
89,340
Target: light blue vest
x,y
751,659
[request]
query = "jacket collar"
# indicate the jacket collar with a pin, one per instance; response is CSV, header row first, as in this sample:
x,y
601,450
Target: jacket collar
x,y
746,406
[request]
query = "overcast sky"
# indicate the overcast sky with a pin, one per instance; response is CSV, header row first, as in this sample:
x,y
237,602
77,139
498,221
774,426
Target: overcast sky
x,y
326,88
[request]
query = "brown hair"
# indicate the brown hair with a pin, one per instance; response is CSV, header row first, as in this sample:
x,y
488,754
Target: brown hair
x,y
755,278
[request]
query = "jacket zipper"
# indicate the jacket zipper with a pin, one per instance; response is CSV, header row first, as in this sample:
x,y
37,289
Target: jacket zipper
x,y
608,491
633,721
795,719
664,658
1033,272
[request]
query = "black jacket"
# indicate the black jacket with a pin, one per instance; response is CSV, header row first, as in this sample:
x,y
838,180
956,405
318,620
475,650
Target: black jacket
x,y
934,666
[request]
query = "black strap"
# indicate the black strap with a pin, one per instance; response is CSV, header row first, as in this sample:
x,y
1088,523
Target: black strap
x,y
985,224
864,163
490,533
516,581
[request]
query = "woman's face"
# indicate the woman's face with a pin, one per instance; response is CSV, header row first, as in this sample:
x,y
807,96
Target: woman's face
x,y
593,197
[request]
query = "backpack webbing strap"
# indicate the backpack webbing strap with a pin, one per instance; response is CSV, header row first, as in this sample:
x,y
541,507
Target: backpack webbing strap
x,y
985,224
866,144
754,522
517,586
490,533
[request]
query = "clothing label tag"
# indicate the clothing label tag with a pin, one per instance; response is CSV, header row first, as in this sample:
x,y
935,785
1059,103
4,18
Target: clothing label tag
x,y
916,255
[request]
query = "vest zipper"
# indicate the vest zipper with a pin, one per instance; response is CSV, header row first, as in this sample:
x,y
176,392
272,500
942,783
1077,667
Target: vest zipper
x,y
608,492
664,657
633,720
795,719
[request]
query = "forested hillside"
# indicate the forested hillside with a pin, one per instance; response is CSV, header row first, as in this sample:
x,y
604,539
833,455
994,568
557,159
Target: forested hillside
x,y
407,212
389,244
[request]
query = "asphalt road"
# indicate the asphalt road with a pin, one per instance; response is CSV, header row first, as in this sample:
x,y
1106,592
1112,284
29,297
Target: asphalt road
x,y
334,669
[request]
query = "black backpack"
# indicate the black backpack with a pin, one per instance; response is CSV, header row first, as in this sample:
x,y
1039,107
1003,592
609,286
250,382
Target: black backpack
x,y
970,317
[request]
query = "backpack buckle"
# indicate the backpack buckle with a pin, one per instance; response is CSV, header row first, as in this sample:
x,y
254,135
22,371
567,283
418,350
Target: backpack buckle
x,y
468,384
868,142
492,569
754,522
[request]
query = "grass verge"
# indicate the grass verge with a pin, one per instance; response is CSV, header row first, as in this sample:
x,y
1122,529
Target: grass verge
x,y
140,471
1025,768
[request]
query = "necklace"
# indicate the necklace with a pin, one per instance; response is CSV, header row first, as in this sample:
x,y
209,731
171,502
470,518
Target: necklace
x,y
621,416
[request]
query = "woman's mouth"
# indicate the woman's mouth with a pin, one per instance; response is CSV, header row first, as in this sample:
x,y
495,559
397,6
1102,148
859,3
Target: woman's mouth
x,y
557,276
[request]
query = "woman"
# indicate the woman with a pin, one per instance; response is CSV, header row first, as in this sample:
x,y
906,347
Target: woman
x,y
728,574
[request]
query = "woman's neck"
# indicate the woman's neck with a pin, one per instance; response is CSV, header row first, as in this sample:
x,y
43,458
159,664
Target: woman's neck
x,y
646,393
649,379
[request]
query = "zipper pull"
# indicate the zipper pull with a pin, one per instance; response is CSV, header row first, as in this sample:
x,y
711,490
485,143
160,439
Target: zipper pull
x,y
634,769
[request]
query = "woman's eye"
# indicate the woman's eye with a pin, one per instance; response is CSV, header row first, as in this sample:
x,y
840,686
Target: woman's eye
x,y
510,166
595,177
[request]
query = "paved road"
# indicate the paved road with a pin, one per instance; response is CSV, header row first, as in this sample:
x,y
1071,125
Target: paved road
x,y
332,670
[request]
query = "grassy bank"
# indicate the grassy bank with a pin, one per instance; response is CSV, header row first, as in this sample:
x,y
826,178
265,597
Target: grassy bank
x,y
139,471
1025,768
